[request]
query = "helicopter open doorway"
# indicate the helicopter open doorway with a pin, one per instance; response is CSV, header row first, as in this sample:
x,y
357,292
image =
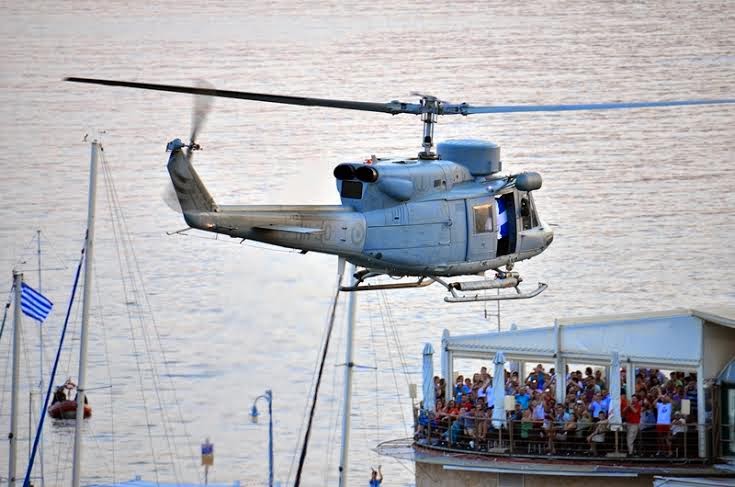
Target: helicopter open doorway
x,y
507,223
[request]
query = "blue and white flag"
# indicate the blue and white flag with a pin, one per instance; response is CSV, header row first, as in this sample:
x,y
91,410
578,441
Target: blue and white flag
x,y
33,303
502,218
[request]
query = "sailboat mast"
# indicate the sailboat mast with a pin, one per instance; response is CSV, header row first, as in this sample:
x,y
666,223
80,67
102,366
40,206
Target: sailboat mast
x,y
347,394
83,338
40,355
13,435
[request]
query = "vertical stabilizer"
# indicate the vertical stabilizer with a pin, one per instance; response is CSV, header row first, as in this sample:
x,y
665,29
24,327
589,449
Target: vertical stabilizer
x,y
190,191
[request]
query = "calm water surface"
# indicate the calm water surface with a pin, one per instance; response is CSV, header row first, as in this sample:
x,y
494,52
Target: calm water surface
x,y
642,200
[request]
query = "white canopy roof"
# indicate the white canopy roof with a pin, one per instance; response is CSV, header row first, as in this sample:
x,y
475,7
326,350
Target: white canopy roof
x,y
677,338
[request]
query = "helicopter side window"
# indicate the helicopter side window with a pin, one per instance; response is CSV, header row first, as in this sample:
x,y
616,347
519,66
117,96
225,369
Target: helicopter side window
x,y
483,218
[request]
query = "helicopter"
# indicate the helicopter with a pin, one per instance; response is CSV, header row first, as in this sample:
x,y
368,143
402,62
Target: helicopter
x,y
443,214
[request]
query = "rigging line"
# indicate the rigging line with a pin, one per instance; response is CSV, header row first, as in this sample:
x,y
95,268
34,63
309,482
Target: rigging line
x,y
5,316
133,340
102,326
401,353
39,430
7,357
397,336
155,328
21,259
137,289
375,362
311,390
302,458
393,367
334,406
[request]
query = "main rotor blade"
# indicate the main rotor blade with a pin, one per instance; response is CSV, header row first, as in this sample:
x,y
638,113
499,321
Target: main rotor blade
x,y
464,109
393,107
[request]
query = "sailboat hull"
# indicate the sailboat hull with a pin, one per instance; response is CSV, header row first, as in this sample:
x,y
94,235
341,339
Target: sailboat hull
x,y
68,410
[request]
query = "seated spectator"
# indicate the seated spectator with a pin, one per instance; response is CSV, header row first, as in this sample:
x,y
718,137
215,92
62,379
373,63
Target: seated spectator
x,y
597,436
567,431
467,418
584,425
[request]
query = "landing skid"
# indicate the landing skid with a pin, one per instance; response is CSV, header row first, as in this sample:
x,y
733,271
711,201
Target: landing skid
x,y
464,298
502,280
360,285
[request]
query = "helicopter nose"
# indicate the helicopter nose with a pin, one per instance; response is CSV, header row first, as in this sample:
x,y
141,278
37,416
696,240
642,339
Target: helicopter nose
x,y
549,238
548,235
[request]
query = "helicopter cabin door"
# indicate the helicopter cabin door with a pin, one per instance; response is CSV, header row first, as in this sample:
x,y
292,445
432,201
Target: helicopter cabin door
x,y
481,229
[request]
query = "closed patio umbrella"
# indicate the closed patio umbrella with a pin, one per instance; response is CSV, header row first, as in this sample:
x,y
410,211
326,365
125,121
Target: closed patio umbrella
x,y
428,385
499,391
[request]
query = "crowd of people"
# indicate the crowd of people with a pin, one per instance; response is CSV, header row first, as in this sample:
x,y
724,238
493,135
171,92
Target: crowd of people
x,y
654,422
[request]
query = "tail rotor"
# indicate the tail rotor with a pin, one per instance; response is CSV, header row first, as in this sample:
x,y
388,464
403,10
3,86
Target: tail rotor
x,y
202,105
200,110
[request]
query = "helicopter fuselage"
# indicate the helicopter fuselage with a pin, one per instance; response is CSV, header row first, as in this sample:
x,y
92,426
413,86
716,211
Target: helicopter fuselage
x,y
398,216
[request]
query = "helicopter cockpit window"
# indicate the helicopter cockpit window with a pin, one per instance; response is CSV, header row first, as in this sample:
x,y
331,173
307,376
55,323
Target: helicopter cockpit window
x,y
483,218
528,214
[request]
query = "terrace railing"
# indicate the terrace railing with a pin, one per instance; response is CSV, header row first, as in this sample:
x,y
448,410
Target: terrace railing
x,y
548,439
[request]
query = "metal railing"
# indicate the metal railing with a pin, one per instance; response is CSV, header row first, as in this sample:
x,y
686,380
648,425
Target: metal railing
x,y
646,443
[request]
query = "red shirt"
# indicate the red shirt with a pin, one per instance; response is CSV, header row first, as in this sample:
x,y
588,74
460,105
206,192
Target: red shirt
x,y
633,414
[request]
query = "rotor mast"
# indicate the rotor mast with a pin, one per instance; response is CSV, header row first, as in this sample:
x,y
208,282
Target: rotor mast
x,y
429,114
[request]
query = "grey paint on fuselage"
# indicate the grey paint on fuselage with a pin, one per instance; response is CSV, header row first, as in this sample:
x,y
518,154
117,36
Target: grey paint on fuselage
x,y
431,233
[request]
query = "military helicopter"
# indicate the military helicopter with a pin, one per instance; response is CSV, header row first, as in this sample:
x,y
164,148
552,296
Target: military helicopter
x,y
440,215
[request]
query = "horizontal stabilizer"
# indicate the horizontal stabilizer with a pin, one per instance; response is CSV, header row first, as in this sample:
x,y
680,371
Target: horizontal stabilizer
x,y
289,228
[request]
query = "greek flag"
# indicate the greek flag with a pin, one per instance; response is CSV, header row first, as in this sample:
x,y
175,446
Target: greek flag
x,y
502,218
33,303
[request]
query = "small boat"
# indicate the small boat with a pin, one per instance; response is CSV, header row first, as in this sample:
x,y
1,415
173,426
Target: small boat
x,y
67,410
64,408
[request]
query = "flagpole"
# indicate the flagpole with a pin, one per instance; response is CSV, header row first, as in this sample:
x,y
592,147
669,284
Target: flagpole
x,y
83,338
12,436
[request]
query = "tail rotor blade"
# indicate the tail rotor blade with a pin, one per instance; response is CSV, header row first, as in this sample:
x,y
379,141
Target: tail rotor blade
x,y
202,105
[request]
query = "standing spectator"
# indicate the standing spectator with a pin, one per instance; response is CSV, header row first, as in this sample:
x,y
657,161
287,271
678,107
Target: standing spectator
x,y
537,378
538,410
647,426
678,430
599,380
632,417
595,407
663,425
524,398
